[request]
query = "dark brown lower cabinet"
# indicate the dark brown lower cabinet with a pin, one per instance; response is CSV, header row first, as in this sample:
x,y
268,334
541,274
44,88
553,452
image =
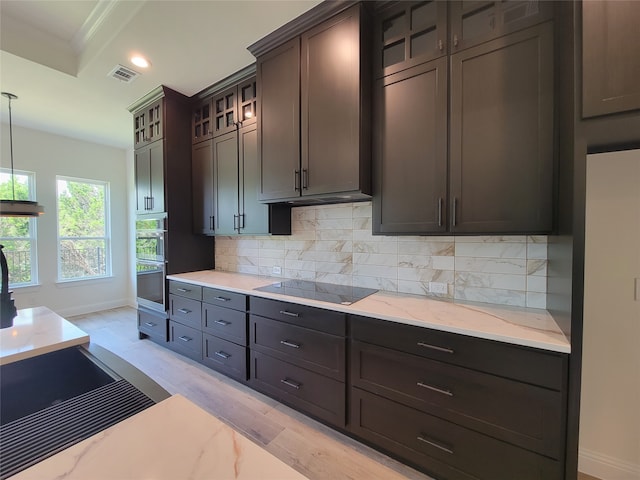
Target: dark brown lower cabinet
x,y
152,324
185,340
224,356
307,391
444,449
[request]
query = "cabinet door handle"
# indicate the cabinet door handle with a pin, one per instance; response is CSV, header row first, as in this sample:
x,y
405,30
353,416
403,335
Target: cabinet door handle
x,y
222,322
455,39
184,310
440,45
222,354
305,178
289,314
236,222
290,344
211,227
455,204
449,393
150,324
296,180
241,219
183,290
222,299
184,338
434,444
435,347
291,383
151,203
440,212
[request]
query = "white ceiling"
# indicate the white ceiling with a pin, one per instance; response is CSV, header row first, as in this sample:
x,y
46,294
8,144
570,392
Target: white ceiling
x,y
55,55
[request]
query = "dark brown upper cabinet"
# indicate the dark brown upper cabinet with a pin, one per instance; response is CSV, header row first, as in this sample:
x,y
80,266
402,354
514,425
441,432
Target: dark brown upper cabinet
x,y
410,150
236,105
464,142
226,174
610,57
474,22
501,151
148,124
313,122
202,121
410,33
149,178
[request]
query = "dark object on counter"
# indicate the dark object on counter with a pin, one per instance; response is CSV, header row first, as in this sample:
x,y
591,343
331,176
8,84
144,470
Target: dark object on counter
x,y
7,308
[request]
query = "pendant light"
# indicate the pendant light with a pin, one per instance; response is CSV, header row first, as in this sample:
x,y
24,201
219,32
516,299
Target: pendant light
x,y
12,207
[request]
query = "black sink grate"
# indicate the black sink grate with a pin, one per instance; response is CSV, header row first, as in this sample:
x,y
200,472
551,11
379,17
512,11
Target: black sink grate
x,y
33,438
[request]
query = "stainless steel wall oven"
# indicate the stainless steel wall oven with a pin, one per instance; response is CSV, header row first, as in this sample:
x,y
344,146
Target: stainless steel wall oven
x,y
151,234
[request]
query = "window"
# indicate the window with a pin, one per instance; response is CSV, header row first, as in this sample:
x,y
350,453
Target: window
x,y
84,247
18,234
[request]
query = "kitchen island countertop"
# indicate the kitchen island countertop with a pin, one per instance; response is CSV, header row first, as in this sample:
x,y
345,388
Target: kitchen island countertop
x,y
516,325
174,439
37,331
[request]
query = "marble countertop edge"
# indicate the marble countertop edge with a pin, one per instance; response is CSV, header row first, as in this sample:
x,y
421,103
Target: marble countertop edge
x,y
515,325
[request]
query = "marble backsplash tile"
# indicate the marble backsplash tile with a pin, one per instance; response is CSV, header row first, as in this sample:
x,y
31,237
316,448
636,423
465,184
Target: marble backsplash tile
x,y
333,243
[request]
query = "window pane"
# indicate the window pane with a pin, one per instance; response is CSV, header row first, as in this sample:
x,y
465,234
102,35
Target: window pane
x,y
82,258
18,234
83,233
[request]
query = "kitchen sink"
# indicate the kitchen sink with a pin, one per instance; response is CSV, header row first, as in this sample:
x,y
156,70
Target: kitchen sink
x,y
55,400
34,384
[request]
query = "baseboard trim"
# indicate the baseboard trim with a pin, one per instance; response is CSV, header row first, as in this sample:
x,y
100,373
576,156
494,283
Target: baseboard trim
x,y
606,467
95,307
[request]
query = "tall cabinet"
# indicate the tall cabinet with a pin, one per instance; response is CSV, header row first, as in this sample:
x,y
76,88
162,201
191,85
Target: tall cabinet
x,y
225,163
463,116
162,169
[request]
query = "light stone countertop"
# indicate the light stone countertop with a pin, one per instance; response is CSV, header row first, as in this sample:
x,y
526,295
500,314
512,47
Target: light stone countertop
x,y
37,331
174,439
520,326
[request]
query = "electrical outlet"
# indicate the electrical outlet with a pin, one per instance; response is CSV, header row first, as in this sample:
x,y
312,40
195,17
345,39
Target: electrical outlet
x,y
437,287
276,270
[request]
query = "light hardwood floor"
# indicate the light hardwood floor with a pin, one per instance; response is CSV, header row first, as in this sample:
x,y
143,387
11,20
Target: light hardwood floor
x,y
310,447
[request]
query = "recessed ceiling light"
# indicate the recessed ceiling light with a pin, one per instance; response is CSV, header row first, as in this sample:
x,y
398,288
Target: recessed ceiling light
x,y
140,61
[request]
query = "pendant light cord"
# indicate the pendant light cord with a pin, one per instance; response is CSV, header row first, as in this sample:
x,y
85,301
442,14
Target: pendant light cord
x,y
13,180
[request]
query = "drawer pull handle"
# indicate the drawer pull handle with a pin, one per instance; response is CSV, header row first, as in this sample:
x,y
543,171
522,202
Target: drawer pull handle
x,y
291,383
150,324
184,290
290,344
184,310
222,354
436,389
289,314
435,347
434,444
222,322
222,299
184,338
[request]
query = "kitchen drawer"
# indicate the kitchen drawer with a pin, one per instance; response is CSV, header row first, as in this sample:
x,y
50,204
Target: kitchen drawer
x,y
543,368
315,318
185,340
304,390
225,323
153,324
310,349
185,311
224,356
187,290
432,443
214,296
519,413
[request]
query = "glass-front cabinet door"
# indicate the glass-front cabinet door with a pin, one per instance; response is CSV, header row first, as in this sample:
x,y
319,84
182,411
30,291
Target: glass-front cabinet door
x,y
202,121
147,125
410,33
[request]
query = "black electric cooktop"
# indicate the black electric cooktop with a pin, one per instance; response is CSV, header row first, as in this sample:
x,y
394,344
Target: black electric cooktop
x,y
325,292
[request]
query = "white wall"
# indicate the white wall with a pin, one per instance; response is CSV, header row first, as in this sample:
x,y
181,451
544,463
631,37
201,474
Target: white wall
x,y
49,155
610,398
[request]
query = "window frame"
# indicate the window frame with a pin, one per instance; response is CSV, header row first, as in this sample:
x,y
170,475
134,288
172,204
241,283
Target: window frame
x,y
107,230
33,231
